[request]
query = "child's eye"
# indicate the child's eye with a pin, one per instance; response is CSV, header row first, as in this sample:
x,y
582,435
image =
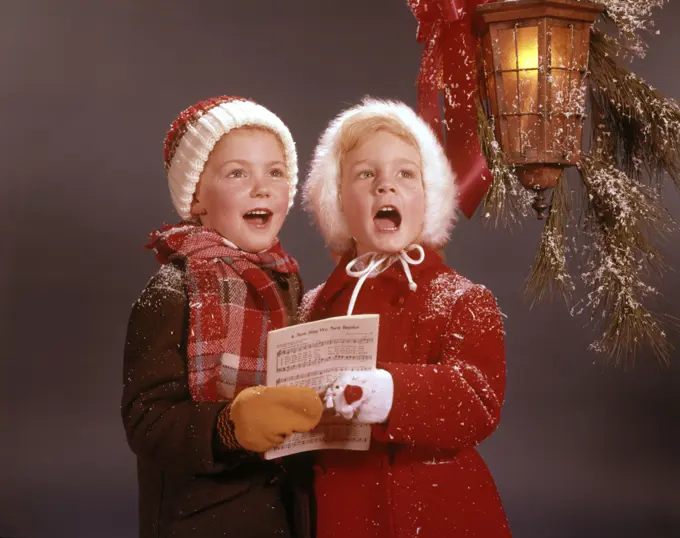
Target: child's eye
x,y
366,174
278,173
407,174
238,173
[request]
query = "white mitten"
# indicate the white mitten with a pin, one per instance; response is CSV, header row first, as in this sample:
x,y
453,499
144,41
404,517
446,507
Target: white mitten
x,y
365,396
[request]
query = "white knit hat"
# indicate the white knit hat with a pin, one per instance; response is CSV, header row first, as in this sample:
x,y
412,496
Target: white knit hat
x,y
322,186
193,135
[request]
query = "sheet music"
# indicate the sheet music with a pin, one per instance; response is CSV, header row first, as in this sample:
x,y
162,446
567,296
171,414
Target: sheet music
x,y
313,355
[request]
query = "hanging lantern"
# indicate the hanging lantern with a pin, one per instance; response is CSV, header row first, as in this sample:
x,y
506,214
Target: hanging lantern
x,y
535,57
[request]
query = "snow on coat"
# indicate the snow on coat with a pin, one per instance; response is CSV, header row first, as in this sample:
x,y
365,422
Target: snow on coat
x,y
422,477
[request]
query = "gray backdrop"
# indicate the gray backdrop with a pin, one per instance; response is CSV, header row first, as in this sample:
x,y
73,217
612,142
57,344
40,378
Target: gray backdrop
x,y
88,90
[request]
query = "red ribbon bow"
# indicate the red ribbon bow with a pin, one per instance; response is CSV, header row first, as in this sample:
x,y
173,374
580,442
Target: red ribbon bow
x,y
449,66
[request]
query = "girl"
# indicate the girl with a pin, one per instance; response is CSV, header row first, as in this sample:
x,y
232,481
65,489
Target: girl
x,y
383,195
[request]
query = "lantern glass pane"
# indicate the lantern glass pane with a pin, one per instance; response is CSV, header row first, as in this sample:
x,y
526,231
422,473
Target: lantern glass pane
x,y
506,47
510,101
487,58
530,136
581,45
527,47
528,91
491,91
558,134
560,90
561,49
512,126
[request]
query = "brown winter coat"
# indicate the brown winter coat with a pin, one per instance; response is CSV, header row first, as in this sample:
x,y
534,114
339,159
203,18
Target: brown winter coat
x,y
190,484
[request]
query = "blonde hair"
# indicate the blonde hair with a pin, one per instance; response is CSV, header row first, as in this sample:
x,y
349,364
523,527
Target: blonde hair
x,y
344,132
362,125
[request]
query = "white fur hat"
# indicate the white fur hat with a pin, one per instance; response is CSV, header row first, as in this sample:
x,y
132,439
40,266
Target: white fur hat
x,y
321,188
193,135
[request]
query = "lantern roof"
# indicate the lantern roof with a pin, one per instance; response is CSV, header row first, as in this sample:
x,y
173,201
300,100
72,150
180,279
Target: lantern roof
x,y
508,10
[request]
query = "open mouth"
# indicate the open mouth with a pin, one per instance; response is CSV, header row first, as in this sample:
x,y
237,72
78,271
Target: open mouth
x,y
387,219
259,217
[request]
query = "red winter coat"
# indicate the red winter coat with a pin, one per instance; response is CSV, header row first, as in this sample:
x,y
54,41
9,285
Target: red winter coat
x,y
422,477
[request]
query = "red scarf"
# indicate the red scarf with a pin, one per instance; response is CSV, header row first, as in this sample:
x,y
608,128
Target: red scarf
x,y
233,304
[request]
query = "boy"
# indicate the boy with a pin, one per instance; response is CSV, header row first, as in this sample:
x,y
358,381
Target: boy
x,y
192,407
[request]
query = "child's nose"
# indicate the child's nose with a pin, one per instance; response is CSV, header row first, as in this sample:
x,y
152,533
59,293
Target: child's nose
x,y
386,187
261,188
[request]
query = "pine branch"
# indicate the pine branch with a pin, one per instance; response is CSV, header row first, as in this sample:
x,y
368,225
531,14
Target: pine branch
x,y
550,274
632,18
507,201
643,124
621,217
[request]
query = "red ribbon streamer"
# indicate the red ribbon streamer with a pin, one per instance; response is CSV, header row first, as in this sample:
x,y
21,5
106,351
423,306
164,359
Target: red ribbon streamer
x,y
449,66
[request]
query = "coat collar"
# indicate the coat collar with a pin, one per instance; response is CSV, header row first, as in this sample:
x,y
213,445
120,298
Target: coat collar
x,y
339,280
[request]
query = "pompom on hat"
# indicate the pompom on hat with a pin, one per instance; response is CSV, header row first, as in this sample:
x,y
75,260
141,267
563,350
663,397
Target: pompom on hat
x,y
193,135
322,187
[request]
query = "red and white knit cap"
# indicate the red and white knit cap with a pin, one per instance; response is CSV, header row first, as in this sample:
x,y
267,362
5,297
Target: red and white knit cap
x,y
193,135
321,190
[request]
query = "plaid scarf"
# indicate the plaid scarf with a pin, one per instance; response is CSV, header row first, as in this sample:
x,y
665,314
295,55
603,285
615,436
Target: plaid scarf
x,y
233,304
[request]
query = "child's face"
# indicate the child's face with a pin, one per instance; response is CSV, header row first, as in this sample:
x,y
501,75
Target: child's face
x,y
382,193
243,191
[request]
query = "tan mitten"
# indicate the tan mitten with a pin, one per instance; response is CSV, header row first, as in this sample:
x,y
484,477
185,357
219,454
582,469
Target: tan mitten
x,y
264,416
